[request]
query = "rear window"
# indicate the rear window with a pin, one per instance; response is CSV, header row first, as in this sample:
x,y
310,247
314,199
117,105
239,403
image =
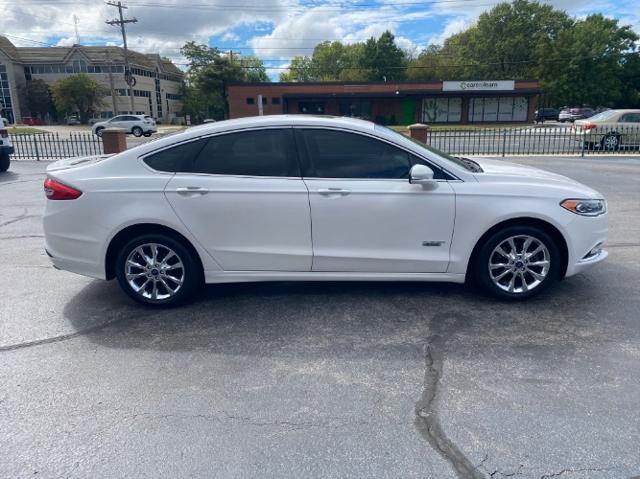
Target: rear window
x,y
605,115
177,158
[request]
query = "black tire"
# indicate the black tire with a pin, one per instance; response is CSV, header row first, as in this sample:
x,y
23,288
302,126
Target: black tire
x,y
610,142
486,252
137,131
99,132
5,161
191,271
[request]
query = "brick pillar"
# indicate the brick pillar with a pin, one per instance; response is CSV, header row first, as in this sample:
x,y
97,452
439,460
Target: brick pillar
x,y
114,140
418,131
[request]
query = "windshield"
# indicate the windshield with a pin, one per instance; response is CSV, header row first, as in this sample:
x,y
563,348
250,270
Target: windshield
x,y
605,115
429,149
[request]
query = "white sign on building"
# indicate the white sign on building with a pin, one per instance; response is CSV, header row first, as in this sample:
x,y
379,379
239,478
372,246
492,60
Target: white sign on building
x,y
480,85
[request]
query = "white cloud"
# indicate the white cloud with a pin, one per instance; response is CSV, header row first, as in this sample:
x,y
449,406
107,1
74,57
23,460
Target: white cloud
x,y
453,26
229,37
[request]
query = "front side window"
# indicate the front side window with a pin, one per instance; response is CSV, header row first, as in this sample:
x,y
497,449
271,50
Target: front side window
x,y
268,152
337,154
115,119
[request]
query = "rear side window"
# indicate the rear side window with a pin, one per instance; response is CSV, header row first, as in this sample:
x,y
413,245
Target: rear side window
x,y
268,152
175,159
337,154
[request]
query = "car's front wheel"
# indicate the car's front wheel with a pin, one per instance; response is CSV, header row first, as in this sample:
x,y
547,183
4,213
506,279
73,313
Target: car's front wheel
x,y
518,262
610,142
99,132
137,131
157,270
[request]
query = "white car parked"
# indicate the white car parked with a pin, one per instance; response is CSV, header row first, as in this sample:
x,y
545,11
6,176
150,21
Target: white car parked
x,y
137,125
314,198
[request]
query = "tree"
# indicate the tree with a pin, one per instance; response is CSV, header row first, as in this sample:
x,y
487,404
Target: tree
x,y
592,63
208,75
384,59
36,98
78,93
300,70
376,59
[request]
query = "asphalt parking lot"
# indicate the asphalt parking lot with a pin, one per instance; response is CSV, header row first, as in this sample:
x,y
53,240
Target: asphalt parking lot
x,y
296,380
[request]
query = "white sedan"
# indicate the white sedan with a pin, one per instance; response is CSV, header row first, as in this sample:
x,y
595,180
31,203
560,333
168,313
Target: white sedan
x,y
314,198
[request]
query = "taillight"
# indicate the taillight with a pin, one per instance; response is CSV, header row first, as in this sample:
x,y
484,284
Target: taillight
x,y
58,191
4,133
589,126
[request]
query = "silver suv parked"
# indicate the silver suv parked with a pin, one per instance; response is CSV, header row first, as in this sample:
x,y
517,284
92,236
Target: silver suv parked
x,y
137,125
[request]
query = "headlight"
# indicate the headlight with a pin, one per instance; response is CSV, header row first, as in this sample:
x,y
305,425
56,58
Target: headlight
x,y
585,207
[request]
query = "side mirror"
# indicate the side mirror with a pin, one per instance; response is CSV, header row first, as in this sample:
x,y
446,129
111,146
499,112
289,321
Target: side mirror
x,y
420,175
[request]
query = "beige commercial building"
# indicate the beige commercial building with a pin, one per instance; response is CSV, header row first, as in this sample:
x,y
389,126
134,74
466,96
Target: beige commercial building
x,y
157,80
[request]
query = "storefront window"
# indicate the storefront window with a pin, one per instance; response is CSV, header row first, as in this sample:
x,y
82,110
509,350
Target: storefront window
x,y
311,107
356,109
498,109
442,110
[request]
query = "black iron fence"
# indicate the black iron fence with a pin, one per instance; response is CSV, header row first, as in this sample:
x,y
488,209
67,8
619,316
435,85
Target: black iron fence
x,y
537,140
52,146
529,140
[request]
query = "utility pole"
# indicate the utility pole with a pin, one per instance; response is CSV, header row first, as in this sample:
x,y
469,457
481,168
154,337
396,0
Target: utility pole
x,y
76,20
121,23
113,90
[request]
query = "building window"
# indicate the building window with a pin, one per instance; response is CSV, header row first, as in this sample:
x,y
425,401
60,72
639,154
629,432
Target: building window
x,y
250,101
311,107
498,109
442,110
355,109
275,100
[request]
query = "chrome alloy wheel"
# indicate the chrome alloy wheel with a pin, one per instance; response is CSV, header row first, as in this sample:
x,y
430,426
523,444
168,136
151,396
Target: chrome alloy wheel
x,y
519,264
154,271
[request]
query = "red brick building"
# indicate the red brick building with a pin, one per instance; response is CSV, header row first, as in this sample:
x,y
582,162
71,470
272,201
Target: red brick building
x,y
403,103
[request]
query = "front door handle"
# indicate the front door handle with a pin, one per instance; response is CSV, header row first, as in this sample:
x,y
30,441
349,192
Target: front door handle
x,y
192,190
333,191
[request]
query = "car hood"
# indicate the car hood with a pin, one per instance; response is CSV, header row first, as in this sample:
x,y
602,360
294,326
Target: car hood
x,y
507,172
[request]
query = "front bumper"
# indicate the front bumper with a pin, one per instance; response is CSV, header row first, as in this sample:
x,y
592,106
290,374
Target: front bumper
x,y
6,149
585,237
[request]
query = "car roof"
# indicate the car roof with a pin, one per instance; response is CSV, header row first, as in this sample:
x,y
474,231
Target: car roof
x,y
257,122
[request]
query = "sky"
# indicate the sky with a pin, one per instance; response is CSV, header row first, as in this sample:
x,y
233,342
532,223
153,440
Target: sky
x,y
274,30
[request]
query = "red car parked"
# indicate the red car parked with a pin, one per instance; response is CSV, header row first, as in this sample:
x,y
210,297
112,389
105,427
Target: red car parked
x,y
32,121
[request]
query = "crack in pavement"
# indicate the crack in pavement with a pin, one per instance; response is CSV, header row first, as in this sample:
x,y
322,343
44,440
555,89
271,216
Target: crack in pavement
x,y
568,470
60,338
427,421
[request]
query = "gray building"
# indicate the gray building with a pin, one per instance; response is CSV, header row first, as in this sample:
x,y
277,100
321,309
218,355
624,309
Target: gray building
x,y
157,80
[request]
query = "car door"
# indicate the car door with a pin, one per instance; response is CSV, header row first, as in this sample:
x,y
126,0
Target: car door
x,y
366,216
630,123
243,198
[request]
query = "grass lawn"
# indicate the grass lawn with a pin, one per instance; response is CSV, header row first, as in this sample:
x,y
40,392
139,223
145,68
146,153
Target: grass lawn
x,y
23,130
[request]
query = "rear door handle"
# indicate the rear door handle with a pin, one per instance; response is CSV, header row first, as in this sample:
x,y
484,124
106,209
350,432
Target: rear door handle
x,y
192,190
333,191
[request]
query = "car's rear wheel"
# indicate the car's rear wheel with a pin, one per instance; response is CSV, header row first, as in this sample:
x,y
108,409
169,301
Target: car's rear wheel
x,y
99,132
137,131
518,262
5,160
157,270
